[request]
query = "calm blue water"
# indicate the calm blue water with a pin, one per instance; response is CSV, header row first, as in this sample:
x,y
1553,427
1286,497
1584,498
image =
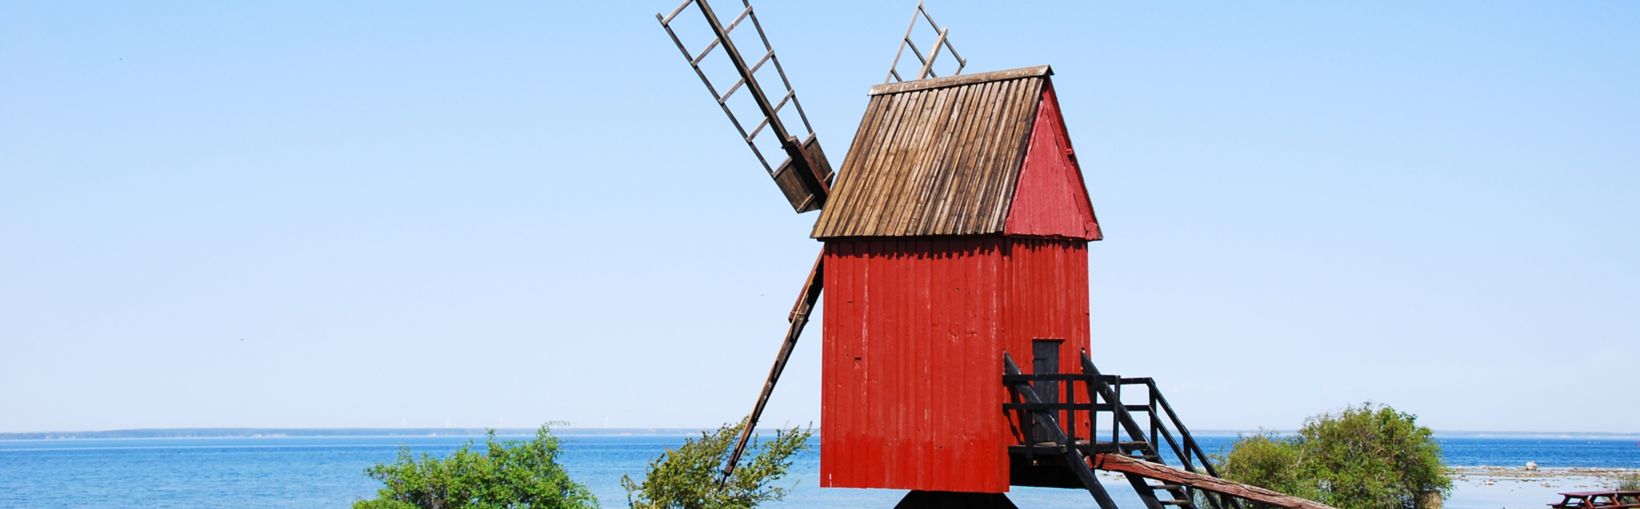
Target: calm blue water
x,y
328,472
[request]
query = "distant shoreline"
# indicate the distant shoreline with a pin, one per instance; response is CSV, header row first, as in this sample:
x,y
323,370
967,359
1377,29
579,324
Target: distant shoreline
x,y
1521,473
329,432
570,431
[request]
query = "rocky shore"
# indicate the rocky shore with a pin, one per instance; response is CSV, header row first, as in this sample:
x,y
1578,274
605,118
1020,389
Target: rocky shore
x,y
1599,477
1521,487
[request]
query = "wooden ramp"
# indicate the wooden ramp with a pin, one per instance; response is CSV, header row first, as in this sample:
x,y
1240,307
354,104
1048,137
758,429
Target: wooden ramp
x,y
1130,465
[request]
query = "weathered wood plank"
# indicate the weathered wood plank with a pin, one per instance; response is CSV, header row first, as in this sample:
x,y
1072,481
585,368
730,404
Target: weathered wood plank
x,y
962,79
1124,464
1036,96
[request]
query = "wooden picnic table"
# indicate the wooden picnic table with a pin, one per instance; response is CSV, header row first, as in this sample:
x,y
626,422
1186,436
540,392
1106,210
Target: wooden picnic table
x,y
1608,499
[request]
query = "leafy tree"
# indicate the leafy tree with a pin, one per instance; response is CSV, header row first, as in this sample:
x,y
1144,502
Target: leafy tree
x,y
1365,457
1269,461
510,474
689,477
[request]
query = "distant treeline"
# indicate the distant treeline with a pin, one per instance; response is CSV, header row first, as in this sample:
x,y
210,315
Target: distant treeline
x,y
328,432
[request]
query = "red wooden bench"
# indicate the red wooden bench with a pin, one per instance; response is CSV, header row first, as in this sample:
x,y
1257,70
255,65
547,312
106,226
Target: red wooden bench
x,y
1612,499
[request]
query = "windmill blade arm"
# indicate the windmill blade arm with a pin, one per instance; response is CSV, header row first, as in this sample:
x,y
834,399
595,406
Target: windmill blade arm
x,y
806,299
803,181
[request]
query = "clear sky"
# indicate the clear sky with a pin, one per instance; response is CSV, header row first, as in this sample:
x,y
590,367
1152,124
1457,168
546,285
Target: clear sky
x,y
498,214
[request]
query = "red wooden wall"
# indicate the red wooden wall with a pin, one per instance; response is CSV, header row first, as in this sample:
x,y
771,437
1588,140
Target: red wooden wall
x,y
1050,199
1046,289
909,365
914,331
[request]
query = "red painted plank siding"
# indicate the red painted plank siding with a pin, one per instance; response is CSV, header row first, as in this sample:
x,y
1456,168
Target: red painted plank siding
x,y
1047,296
1050,199
911,365
914,331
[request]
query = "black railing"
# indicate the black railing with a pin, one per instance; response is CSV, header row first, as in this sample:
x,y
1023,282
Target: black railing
x,y
1090,404
1036,411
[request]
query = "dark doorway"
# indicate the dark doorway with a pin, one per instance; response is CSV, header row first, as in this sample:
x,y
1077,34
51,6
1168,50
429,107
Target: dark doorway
x,y
1045,361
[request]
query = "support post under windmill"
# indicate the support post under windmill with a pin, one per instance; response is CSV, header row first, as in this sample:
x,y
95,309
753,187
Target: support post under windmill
x,y
806,299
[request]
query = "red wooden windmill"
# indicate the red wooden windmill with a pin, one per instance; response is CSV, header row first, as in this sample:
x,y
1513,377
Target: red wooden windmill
x,y
955,243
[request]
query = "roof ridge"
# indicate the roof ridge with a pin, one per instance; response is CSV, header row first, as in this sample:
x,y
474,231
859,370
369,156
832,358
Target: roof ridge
x,y
962,79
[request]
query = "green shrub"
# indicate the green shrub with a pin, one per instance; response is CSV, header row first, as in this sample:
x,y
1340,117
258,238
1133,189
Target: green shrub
x,y
688,477
1629,482
1364,457
511,474
1269,461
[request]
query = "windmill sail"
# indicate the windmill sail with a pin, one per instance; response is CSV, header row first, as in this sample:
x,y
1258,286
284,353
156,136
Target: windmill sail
x,y
804,177
926,63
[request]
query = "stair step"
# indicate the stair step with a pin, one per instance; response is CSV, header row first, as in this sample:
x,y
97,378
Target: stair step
x,y
1180,503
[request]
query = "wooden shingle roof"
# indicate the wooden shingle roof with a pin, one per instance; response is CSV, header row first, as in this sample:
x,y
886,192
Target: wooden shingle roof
x,y
936,157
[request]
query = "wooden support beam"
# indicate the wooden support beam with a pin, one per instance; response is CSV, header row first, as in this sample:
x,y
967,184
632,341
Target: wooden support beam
x,y
806,299
1127,465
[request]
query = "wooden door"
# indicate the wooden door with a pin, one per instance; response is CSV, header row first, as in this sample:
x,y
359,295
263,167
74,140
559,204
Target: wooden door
x,y
1045,361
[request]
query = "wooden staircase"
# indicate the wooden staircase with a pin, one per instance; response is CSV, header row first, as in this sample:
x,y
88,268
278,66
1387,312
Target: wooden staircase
x,y
1061,442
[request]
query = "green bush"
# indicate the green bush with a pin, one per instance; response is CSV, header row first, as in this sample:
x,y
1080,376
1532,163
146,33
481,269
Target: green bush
x,y
511,474
1269,461
1629,482
688,477
1364,457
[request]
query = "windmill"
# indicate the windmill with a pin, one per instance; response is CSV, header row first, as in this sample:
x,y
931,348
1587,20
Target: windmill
x,y
955,239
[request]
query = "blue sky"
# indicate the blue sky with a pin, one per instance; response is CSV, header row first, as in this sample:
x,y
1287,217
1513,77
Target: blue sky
x,y
499,214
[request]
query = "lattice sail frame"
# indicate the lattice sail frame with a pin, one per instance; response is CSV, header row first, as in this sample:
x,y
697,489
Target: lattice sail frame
x,y
805,176
943,42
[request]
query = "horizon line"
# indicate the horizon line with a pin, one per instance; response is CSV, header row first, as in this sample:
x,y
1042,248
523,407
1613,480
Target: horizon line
x,y
265,432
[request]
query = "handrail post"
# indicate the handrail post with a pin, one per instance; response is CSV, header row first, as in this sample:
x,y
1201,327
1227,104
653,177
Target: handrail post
x,y
1115,413
1070,410
1093,409
1150,393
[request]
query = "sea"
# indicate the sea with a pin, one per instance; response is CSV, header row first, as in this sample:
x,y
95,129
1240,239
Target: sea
x,y
329,471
